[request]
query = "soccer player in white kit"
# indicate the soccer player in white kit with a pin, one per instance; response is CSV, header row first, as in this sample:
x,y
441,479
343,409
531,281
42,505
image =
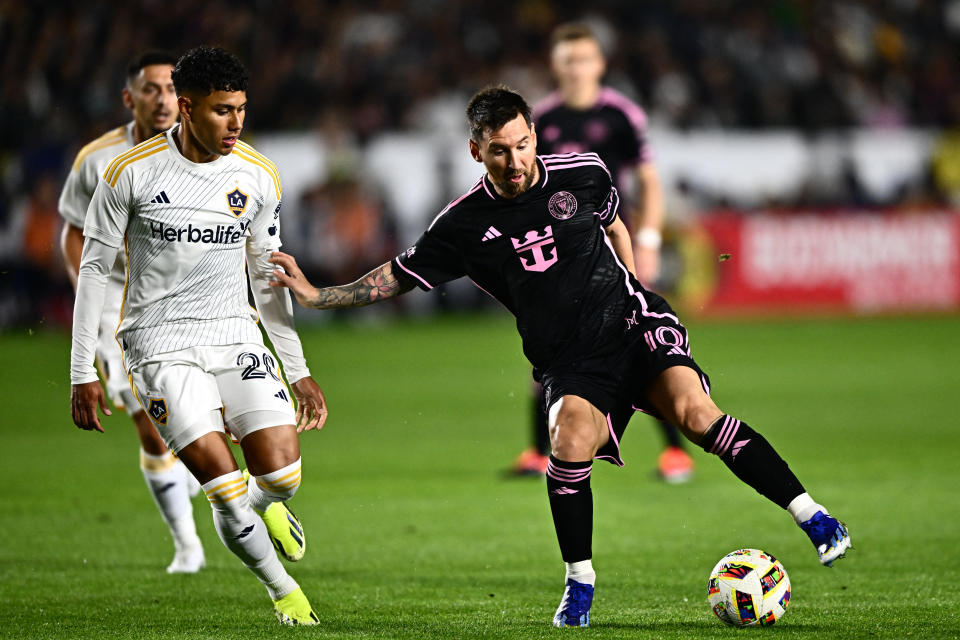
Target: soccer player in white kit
x,y
149,94
191,208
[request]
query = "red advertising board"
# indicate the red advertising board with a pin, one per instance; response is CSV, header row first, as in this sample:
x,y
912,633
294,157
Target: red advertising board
x,y
826,261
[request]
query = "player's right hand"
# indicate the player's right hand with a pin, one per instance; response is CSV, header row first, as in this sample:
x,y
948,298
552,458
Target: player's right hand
x,y
290,276
84,401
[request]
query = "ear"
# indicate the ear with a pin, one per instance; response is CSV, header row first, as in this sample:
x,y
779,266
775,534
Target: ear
x,y
184,106
475,150
127,98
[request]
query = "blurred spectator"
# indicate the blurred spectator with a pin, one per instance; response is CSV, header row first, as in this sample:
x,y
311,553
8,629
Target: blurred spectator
x,y
816,66
33,279
346,231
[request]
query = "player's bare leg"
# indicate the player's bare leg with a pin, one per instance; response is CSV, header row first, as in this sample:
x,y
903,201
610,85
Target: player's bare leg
x,y
679,396
168,481
240,528
577,431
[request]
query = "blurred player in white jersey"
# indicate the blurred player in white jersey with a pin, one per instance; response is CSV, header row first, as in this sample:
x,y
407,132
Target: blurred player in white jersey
x,y
149,95
197,212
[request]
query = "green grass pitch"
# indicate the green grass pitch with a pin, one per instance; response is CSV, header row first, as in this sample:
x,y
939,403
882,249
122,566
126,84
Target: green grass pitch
x,y
414,533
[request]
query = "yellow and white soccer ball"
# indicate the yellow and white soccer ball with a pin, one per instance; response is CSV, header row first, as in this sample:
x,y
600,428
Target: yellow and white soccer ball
x,y
749,587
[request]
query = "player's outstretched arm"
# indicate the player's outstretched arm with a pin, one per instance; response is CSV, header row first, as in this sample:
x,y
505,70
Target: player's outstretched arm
x,y
381,283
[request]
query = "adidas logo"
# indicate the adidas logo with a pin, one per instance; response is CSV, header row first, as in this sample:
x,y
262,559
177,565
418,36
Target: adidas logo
x,y
491,234
161,198
245,532
282,395
736,448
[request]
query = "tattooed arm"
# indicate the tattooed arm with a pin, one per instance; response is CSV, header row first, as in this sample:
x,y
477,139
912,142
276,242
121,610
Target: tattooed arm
x,y
380,284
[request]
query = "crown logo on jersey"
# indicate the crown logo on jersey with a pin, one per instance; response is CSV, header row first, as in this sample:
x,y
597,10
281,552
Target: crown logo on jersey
x,y
158,410
562,205
536,244
237,201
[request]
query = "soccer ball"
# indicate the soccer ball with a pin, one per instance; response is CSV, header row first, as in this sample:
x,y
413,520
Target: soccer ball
x,y
748,587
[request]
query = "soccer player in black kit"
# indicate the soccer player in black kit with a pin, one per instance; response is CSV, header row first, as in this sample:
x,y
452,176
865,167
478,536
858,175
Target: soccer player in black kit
x,y
581,116
541,235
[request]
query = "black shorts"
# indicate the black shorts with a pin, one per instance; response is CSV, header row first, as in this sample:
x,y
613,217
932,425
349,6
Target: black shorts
x,y
654,340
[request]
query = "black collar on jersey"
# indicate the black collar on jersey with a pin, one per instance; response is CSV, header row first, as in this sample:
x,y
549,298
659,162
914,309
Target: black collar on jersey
x,y
537,186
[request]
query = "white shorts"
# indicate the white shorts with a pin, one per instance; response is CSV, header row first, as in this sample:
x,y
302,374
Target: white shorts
x,y
192,392
110,359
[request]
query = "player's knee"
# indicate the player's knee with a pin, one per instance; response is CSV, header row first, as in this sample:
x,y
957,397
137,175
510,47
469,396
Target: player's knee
x,y
150,440
282,483
572,439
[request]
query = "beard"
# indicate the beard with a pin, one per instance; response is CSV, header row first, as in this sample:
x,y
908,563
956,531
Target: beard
x,y
516,188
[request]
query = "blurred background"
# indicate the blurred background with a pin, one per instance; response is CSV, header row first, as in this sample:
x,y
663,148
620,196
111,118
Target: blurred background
x,y
809,150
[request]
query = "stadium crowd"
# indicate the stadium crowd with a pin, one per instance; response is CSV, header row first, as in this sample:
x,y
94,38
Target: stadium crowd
x,y
360,69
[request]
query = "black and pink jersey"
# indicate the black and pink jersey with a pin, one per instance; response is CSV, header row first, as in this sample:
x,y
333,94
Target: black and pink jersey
x,y
543,254
615,128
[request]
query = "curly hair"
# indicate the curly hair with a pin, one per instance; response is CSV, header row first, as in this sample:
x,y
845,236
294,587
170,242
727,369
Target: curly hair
x,y
204,70
493,107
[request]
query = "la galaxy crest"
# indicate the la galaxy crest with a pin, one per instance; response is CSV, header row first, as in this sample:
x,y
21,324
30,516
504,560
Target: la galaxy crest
x,y
237,201
158,410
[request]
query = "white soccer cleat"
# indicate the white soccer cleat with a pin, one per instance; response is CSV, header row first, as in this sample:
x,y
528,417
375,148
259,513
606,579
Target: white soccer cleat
x,y
188,560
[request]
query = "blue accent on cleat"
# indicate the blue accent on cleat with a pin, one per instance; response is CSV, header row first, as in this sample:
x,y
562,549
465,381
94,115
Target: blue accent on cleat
x,y
574,610
828,535
294,535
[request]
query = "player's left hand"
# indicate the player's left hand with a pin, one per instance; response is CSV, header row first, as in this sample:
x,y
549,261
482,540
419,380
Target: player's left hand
x,y
311,405
647,262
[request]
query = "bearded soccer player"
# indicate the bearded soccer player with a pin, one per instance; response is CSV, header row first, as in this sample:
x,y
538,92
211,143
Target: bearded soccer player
x,y
149,94
191,207
582,116
541,235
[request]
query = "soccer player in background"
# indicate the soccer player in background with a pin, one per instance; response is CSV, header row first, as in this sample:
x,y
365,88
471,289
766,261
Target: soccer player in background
x,y
192,207
541,235
582,116
149,95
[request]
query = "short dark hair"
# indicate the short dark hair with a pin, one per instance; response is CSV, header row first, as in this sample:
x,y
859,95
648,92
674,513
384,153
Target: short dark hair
x,y
569,31
147,58
204,70
493,107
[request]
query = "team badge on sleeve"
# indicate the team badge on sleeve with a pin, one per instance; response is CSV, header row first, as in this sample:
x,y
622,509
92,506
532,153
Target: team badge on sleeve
x,y
237,201
158,410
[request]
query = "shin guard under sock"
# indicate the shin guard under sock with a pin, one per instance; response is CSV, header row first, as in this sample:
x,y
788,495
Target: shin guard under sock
x,y
571,502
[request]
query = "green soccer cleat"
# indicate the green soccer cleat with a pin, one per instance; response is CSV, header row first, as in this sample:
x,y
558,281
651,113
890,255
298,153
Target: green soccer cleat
x,y
284,528
294,610
285,531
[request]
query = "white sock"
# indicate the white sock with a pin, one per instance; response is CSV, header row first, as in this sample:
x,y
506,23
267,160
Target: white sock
x,y
244,533
582,572
164,475
275,486
802,508
193,485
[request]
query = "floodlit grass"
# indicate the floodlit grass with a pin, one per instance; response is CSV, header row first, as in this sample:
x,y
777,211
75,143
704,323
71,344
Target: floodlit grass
x,y
415,533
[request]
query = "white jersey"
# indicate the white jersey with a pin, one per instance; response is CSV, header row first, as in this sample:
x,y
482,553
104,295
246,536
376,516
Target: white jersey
x,y
185,228
75,198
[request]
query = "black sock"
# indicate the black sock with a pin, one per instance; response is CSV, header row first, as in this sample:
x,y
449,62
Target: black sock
x,y
541,433
571,502
752,459
671,434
